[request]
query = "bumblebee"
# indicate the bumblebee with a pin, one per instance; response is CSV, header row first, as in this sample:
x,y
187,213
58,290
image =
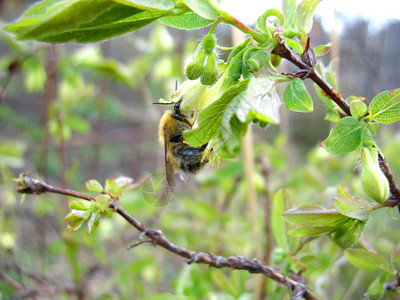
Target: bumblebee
x,y
180,157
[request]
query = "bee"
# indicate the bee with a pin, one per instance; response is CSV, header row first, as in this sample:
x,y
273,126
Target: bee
x,y
180,157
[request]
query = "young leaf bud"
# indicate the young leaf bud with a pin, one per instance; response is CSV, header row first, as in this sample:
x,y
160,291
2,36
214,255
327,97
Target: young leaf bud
x,y
196,68
210,74
358,109
373,127
257,60
235,70
367,139
276,60
374,182
209,43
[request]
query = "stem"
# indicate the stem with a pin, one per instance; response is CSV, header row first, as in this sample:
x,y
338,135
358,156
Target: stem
x,y
244,28
99,125
34,186
61,151
214,25
267,222
48,96
283,51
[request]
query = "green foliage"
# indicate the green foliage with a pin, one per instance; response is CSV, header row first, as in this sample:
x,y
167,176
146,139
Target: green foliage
x,y
322,49
205,8
344,137
366,260
296,97
187,21
304,15
277,223
355,208
222,106
377,287
210,119
63,21
385,107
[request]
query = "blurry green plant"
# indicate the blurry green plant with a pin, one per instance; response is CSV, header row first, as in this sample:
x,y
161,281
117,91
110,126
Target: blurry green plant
x,y
234,97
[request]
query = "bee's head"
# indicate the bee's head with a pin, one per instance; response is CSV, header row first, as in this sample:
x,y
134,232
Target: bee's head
x,y
177,108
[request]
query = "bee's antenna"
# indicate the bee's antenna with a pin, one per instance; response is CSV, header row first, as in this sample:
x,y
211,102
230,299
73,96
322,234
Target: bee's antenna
x,y
162,103
176,85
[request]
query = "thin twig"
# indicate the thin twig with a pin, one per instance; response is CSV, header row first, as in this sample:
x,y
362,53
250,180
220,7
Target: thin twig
x,y
285,52
234,262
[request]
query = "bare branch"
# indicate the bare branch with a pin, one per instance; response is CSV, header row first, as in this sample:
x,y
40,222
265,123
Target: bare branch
x,y
156,236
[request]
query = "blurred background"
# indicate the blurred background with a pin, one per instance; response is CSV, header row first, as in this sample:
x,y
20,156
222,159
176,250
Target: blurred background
x,y
72,112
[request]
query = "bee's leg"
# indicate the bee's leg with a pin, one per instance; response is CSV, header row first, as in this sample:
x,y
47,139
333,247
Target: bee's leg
x,y
176,138
182,118
203,147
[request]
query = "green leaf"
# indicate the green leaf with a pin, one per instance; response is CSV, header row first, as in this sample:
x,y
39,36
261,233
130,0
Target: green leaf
x,y
328,74
289,10
103,201
348,233
77,218
112,187
307,231
154,4
187,21
366,260
94,186
77,124
294,45
342,192
78,205
377,288
277,222
395,257
204,8
210,119
304,15
385,107
35,74
83,20
322,49
259,102
356,208
296,97
344,137
231,137
314,215
94,221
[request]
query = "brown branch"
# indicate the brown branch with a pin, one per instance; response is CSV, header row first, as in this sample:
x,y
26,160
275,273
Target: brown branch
x,y
34,186
285,52
16,285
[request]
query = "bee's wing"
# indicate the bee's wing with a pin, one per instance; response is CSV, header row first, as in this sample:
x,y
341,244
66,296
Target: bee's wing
x,y
169,169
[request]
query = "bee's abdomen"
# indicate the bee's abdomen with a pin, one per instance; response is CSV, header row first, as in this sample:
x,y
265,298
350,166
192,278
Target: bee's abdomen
x,y
191,159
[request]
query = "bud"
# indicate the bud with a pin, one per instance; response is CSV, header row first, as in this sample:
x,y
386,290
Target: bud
x,y
276,60
210,74
367,138
374,182
235,70
279,255
196,68
209,43
358,109
373,127
257,60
